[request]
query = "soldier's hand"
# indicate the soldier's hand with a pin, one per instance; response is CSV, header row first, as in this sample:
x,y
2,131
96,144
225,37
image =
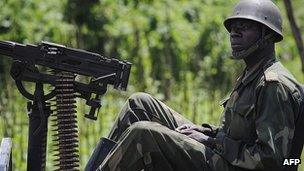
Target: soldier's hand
x,y
198,128
198,136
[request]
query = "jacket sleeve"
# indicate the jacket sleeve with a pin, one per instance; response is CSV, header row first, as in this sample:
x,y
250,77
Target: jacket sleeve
x,y
274,125
214,129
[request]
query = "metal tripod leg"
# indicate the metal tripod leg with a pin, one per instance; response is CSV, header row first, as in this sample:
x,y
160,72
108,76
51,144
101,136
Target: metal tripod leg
x,y
37,136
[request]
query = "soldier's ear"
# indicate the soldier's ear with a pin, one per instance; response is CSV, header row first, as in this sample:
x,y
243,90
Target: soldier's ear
x,y
269,34
274,38
268,31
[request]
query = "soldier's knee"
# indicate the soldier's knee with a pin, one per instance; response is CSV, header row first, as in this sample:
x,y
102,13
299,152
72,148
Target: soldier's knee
x,y
140,125
139,128
140,96
144,127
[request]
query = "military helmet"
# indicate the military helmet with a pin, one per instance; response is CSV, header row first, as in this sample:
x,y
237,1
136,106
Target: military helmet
x,y
262,11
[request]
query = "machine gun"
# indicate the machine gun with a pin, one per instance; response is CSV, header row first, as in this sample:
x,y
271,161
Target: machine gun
x,y
66,63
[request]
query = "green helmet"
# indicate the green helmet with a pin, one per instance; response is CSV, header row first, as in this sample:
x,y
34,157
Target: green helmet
x,y
262,11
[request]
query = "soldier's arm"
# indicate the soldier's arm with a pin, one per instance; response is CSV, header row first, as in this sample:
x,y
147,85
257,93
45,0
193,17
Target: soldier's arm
x,y
275,111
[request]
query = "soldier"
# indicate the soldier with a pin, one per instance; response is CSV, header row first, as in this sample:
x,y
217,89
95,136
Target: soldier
x,y
258,122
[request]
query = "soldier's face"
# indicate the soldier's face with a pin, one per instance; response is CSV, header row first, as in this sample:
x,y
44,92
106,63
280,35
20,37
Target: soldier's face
x,y
243,34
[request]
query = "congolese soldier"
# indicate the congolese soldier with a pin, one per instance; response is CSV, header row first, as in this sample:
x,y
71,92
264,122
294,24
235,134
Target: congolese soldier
x,y
258,121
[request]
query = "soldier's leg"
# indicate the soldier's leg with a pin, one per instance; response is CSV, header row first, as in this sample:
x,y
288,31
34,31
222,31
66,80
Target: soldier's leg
x,y
139,107
144,107
151,146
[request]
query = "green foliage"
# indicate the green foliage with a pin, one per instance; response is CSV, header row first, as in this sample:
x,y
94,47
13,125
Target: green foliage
x,y
179,50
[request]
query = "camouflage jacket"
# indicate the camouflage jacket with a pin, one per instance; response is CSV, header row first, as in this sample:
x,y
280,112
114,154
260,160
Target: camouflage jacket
x,y
258,121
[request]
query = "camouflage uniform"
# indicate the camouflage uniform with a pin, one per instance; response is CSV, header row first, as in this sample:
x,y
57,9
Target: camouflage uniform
x,y
256,132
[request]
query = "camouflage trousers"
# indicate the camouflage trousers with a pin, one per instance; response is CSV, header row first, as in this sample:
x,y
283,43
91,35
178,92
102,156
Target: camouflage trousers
x,y
146,140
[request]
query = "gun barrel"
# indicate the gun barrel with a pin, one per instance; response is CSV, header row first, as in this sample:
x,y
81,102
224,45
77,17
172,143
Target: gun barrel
x,y
59,57
6,48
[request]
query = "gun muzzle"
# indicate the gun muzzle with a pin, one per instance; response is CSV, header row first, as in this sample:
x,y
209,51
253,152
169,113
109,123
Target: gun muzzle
x,y
6,48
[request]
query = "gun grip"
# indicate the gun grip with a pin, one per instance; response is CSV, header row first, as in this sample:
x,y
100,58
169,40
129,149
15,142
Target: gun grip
x,y
95,104
91,114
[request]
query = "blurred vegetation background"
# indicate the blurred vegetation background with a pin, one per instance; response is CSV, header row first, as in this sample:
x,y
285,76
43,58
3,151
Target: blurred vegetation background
x,y
179,50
